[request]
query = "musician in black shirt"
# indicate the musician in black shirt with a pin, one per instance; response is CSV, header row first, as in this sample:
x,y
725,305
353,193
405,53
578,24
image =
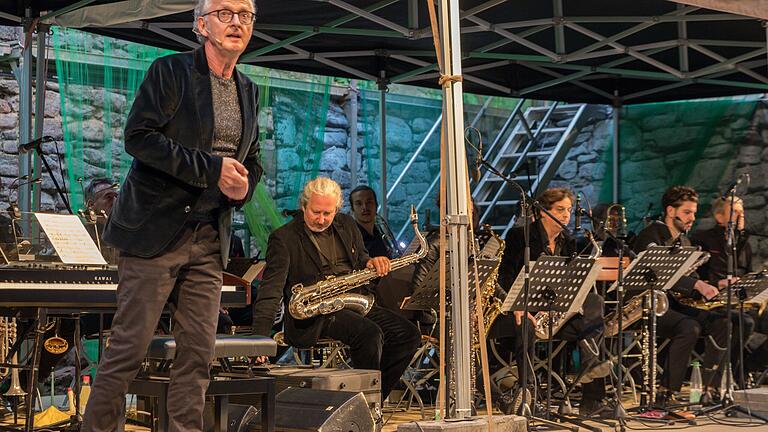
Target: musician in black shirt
x,y
377,236
548,238
713,241
681,323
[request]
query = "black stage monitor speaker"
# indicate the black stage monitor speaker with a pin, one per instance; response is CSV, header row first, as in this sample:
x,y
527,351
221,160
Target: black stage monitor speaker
x,y
304,410
240,416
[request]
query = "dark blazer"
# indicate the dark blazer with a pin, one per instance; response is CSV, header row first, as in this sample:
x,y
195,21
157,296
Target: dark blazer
x,y
292,258
169,133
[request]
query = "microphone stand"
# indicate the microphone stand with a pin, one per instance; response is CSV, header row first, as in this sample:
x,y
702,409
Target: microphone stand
x,y
619,413
525,206
62,195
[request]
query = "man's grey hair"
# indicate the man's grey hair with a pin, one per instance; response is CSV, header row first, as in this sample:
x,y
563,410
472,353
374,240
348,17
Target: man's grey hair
x,y
322,186
200,7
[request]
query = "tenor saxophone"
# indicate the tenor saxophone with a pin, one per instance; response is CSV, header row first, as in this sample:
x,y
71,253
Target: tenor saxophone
x,y
332,294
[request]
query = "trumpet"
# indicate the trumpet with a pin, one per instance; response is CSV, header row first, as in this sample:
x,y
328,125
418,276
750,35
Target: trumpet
x,y
9,337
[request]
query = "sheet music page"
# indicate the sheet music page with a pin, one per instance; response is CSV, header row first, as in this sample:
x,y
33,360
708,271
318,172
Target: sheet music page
x,y
70,239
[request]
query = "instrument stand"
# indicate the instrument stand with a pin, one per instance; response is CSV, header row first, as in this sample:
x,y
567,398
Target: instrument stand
x,y
728,404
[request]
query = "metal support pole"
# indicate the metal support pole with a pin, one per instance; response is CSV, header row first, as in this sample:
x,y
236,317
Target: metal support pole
x,y
615,153
350,109
457,192
24,78
383,143
41,70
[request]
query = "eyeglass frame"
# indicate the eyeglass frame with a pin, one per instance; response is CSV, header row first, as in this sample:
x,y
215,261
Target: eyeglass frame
x,y
217,12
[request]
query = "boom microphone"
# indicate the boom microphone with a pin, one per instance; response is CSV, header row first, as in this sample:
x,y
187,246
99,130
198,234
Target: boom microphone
x,y
577,220
734,185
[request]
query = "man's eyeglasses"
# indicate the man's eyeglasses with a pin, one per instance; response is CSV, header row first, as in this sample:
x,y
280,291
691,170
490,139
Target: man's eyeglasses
x,y
225,16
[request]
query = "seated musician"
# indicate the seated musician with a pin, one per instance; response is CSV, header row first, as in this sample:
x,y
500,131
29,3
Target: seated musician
x,y
683,324
321,242
713,240
377,236
548,238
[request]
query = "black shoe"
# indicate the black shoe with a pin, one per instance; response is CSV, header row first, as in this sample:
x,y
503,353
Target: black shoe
x,y
667,399
596,409
512,402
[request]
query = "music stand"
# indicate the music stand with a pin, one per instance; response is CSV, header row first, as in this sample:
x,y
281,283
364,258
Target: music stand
x,y
557,284
656,268
427,296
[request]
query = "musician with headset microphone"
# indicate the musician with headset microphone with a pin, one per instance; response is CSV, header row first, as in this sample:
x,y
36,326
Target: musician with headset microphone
x,y
193,135
683,324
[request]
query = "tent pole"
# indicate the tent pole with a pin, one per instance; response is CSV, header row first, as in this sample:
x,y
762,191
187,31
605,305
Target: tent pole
x,y
40,81
457,193
24,78
616,150
351,109
383,143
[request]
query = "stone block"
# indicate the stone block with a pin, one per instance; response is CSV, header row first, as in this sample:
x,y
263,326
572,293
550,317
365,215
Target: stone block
x,y
335,137
568,169
750,154
333,158
501,423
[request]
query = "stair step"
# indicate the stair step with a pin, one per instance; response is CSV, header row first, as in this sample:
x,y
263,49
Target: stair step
x,y
529,154
543,131
499,202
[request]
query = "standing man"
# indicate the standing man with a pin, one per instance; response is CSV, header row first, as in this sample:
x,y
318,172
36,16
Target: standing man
x,y
321,242
193,135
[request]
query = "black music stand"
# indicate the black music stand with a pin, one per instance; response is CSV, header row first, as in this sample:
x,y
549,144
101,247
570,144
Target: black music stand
x,y
656,268
427,296
557,284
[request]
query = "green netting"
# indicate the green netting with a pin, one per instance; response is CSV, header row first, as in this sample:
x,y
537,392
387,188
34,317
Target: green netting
x,y
97,80
684,142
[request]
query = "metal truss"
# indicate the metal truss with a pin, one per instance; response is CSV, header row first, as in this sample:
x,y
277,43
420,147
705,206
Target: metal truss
x,y
518,44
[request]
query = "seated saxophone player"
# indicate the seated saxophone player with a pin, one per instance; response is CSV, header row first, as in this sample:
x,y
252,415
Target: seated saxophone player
x,y
715,271
548,238
684,324
321,242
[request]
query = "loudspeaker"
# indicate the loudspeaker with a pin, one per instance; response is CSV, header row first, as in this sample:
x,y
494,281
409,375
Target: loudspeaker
x,y
305,410
240,416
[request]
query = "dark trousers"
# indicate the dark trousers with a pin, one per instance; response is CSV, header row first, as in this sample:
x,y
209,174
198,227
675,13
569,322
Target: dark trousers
x,y
683,325
381,340
590,325
188,276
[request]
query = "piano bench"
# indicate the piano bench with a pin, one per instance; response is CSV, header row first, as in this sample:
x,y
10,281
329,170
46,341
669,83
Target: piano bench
x,y
164,347
156,388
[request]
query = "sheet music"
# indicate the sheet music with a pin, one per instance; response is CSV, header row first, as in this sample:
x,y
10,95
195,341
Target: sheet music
x,y
68,236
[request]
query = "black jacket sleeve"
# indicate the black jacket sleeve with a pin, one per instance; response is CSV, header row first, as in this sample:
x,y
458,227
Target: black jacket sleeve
x,y
273,282
512,260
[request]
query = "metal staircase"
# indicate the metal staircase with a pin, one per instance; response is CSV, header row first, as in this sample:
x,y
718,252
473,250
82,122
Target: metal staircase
x,y
530,152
